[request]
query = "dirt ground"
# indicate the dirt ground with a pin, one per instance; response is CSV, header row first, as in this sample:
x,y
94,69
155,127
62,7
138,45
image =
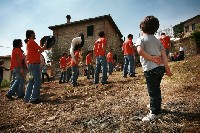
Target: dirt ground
x,y
117,107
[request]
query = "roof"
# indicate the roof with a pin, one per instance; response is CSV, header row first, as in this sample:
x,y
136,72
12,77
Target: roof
x,y
182,23
192,18
90,19
5,57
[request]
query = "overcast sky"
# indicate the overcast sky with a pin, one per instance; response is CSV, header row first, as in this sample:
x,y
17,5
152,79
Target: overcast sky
x,y
17,16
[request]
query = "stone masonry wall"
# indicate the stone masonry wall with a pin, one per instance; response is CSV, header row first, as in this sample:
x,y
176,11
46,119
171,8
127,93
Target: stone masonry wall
x,y
64,35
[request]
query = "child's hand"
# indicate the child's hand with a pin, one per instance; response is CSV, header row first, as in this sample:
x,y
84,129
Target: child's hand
x,y
157,60
168,72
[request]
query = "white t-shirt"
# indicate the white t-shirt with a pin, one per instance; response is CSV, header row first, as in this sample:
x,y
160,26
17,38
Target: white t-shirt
x,y
152,46
181,49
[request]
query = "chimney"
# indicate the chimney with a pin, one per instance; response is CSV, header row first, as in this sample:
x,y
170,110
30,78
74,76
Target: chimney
x,y
68,18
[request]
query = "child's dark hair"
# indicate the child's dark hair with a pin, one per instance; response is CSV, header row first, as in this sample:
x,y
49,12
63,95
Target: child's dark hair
x,y
130,35
28,35
149,25
101,33
162,34
26,41
64,54
17,43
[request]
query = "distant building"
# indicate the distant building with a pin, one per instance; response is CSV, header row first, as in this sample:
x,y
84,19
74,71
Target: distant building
x,y
64,33
168,31
184,29
190,25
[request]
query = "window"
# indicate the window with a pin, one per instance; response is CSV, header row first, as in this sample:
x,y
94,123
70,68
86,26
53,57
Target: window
x,y
186,29
193,27
90,30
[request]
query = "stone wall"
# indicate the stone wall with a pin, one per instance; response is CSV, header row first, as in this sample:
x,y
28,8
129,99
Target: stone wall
x,y
64,36
190,22
188,45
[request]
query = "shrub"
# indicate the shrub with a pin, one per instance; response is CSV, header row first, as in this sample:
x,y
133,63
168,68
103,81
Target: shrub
x,y
5,83
196,36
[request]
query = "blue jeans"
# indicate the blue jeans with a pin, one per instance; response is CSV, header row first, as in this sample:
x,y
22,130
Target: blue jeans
x,y
110,67
75,74
17,85
34,83
69,73
63,76
89,69
153,80
129,65
100,63
13,78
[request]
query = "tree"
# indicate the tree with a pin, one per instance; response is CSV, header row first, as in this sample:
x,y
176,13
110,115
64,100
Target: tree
x,y
55,53
178,30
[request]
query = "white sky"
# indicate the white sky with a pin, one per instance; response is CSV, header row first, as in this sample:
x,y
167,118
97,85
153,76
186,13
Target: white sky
x,y
17,16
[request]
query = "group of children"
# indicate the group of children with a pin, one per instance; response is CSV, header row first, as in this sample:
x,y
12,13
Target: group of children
x,y
18,68
177,56
153,59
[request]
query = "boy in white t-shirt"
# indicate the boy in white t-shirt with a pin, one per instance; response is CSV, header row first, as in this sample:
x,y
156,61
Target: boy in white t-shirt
x,y
154,62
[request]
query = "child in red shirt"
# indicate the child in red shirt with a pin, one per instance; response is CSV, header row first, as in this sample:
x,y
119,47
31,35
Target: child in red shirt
x,y
69,69
165,40
63,68
110,62
74,65
33,60
89,65
100,51
18,71
129,63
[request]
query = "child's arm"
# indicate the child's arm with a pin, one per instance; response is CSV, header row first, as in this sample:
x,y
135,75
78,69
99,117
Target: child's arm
x,y
165,62
6,69
155,59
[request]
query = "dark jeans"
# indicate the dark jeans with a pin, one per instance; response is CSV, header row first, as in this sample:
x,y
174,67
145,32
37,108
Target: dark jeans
x,y
90,69
75,74
110,67
101,64
69,74
43,77
153,80
1,79
63,76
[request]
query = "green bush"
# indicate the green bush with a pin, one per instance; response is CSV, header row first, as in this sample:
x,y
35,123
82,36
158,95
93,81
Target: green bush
x,y
5,83
196,36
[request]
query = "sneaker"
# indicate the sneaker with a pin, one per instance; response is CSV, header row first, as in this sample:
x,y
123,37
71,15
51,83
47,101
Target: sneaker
x,y
150,117
37,101
9,97
125,76
19,97
75,84
25,101
104,83
132,75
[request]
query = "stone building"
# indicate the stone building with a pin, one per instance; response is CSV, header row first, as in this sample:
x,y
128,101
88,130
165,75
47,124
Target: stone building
x,y
190,25
183,30
64,33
